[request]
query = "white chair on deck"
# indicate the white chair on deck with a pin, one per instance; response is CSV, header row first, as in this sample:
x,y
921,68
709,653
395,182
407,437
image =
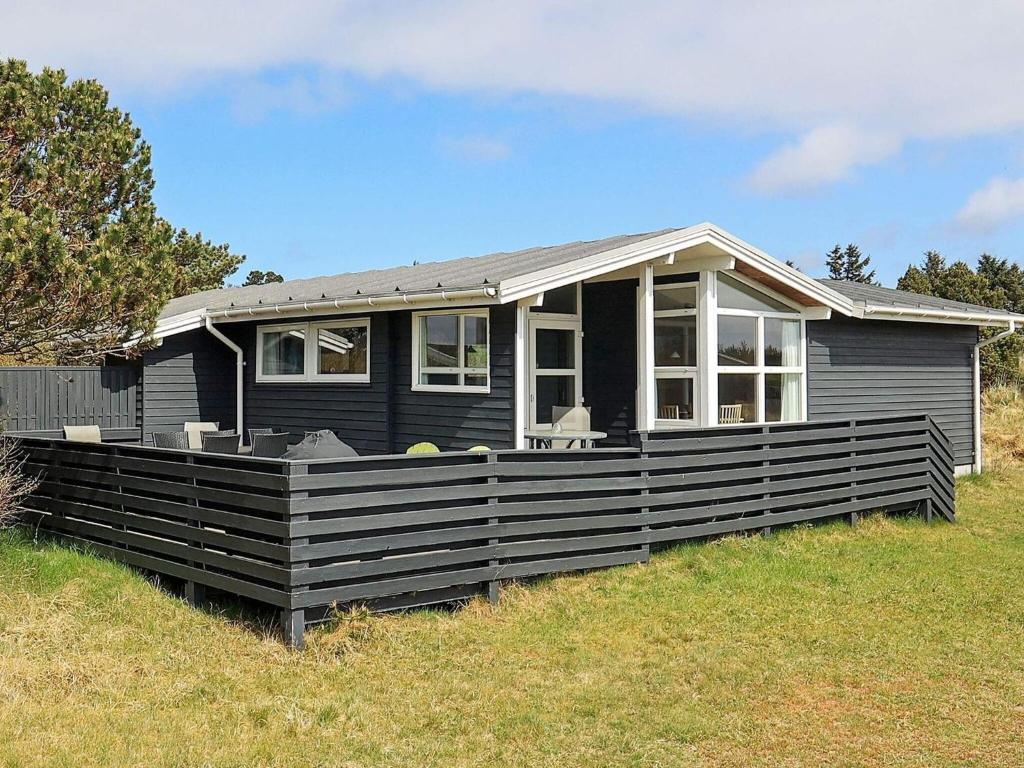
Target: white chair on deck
x,y
570,419
730,414
574,418
87,434
194,431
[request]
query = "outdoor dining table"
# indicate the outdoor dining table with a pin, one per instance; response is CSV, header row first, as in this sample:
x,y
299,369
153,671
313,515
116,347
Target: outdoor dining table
x,y
544,438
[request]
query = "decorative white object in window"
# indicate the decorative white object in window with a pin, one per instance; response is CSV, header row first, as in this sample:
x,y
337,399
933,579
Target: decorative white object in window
x,y
327,351
676,352
761,365
451,351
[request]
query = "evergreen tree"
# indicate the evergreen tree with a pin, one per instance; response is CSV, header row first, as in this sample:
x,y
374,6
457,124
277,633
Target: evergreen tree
x,y
855,266
258,277
85,261
849,264
836,263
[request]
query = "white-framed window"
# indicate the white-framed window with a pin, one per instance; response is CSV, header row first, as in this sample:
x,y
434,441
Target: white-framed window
x,y
451,351
676,353
760,355
335,351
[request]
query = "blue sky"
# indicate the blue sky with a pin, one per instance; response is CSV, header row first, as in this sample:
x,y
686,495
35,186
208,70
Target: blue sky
x,y
456,128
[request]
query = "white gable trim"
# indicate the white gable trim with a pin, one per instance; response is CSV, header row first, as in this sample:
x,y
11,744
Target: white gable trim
x,y
516,288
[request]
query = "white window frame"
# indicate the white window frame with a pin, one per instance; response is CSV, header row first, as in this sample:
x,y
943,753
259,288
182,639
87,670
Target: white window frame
x,y
462,371
759,369
691,372
310,354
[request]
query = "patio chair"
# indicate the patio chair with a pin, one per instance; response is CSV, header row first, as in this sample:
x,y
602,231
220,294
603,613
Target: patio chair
x,y
270,445
261,431
220,442
423,448
194,428
574,418
176,440
86,434
670,412
730,414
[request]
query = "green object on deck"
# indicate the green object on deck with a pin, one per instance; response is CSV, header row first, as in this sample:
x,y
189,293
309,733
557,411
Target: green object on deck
x,y
479,448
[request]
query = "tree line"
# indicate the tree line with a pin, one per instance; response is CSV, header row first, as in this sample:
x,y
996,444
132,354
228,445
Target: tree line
x,y
994,282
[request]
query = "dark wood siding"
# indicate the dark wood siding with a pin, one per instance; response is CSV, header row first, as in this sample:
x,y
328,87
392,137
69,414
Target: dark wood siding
x,y
455,420
189,377
859,368
609,358
357,413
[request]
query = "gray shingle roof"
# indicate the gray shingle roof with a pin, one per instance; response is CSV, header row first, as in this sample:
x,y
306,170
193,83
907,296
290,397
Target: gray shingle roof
x,y
876,295
471,272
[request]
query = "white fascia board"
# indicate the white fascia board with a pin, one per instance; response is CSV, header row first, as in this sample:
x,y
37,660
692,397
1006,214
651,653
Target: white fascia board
x,y
516,288
940,316
187,321
816,313
786,275
663,245
323,307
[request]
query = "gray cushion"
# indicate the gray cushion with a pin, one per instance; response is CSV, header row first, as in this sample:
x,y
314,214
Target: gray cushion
x,y
320,445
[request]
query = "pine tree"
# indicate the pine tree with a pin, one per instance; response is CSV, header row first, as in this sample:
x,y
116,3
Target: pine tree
x,y
855,266
85,261
836,263
849,264
259,277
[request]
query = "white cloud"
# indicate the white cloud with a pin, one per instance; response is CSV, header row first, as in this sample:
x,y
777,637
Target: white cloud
x,y
475,149
914,69
999,202
821,156
254,97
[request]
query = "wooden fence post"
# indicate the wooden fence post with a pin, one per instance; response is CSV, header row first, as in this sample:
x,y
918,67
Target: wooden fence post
x,y
854,516
645,511
195,593
766,480
293,620
494,585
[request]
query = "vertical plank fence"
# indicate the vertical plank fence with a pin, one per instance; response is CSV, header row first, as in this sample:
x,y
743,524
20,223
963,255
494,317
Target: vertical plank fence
x,y
46,398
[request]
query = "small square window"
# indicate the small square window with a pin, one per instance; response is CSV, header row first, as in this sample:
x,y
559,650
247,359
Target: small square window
x,y
451,351
343,350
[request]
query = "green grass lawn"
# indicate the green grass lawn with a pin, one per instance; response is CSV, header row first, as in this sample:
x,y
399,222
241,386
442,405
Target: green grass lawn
x,y
895,643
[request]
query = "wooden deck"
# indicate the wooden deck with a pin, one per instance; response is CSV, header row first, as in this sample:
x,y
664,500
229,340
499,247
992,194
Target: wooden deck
x,y
404,531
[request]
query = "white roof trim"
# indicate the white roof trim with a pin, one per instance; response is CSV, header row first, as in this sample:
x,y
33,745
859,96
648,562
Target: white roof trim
x,y
887,312
596,265
662,245
436,298
169,326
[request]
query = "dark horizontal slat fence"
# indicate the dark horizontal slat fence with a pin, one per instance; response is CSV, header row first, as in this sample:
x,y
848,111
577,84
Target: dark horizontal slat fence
x,y
402,531
50,397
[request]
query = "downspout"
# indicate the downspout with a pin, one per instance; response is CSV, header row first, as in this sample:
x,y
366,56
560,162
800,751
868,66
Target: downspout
x,y
977,390
239,371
